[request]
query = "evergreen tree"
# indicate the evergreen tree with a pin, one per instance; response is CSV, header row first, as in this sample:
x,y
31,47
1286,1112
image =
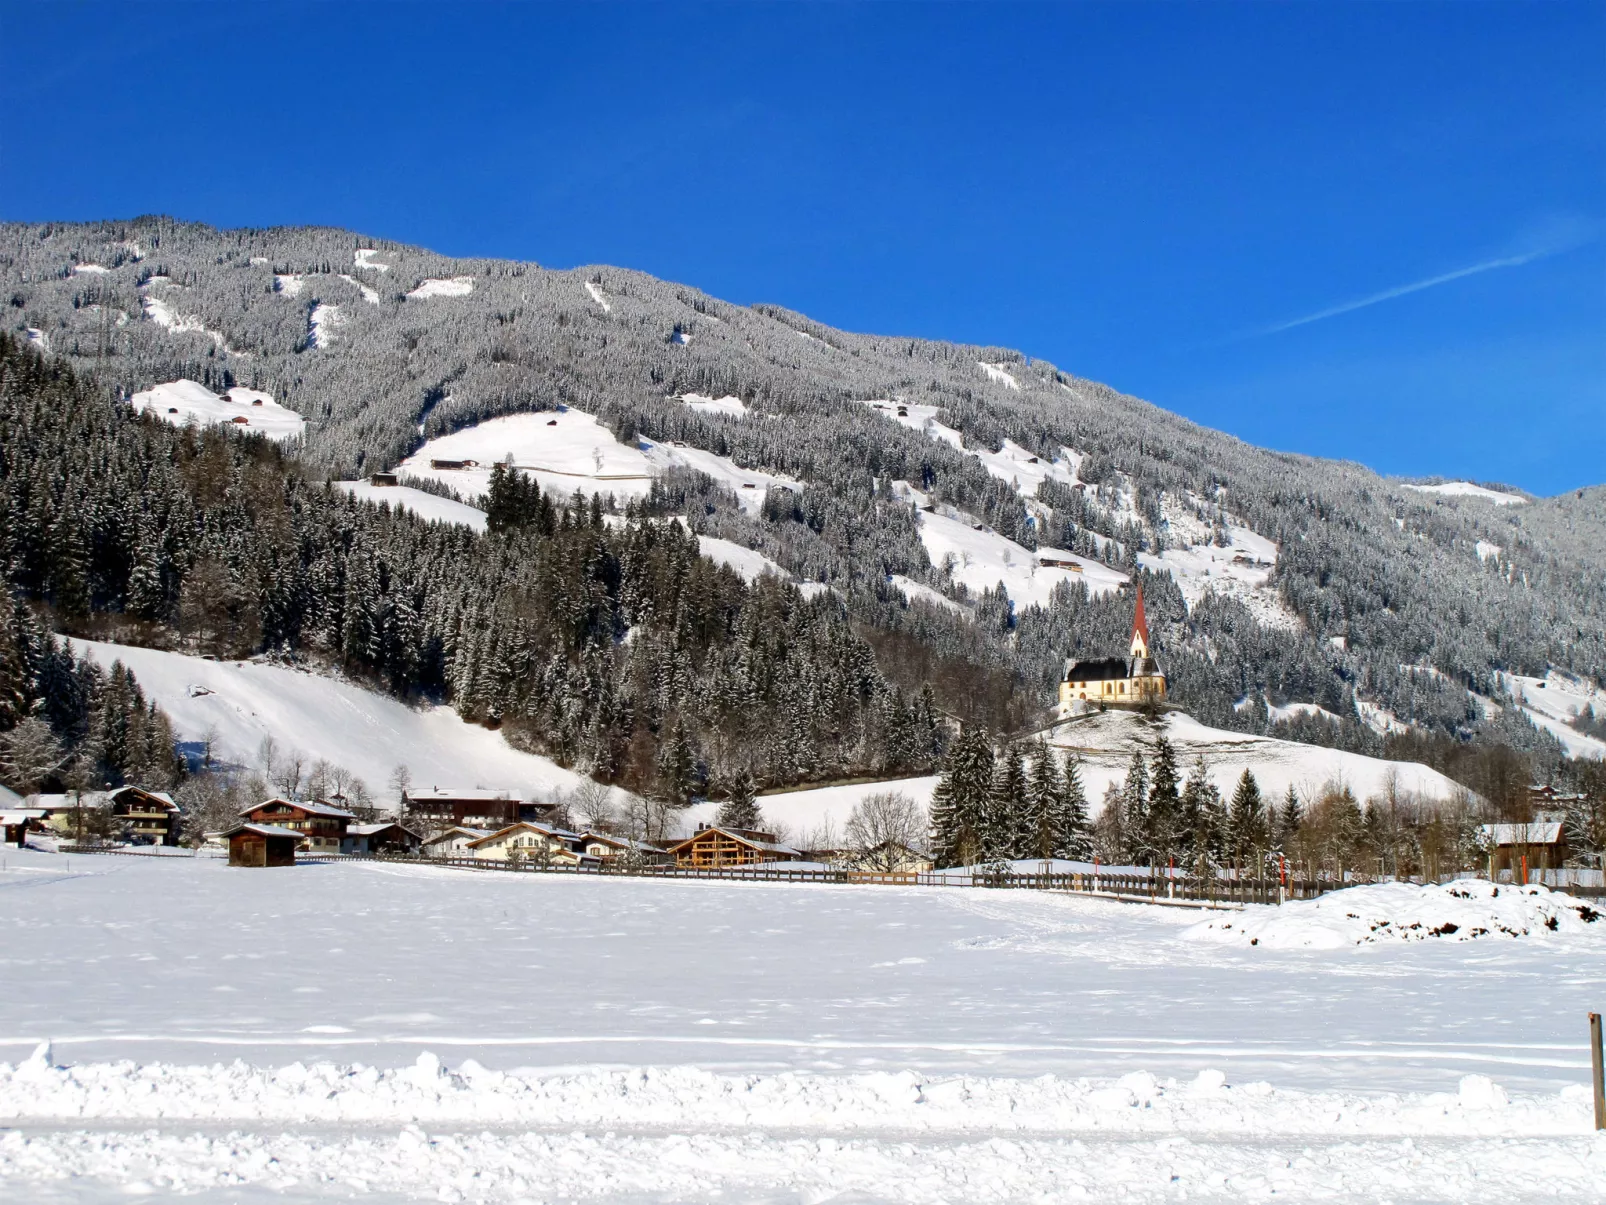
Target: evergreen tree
x,y
1072,836
1134,821
1247,826
677,768
1204,818
1045,795
1288,818
1162,832
740,809
1006,821
960,800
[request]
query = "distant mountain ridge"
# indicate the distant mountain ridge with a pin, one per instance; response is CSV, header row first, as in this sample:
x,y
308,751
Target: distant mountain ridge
x,y
1407,602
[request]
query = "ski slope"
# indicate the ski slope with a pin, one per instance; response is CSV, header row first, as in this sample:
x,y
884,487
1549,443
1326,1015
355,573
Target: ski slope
x,y
184,402
367,733
383,1032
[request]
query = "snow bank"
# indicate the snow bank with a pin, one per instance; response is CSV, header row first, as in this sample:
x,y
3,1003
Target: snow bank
x,y
180,402
1464,910
453,286
689,1097
367,733
1465,489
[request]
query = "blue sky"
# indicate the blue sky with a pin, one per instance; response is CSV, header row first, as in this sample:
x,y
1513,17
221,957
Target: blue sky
x,y
1156,196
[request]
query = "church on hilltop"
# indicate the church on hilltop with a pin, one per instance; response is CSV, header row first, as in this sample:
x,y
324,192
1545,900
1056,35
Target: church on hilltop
x,y
1135,679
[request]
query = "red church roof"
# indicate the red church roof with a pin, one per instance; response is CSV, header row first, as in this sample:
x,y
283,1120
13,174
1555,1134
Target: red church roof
x,y
1139,623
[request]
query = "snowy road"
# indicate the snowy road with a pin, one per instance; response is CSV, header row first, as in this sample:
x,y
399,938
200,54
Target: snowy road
x,y
814,1043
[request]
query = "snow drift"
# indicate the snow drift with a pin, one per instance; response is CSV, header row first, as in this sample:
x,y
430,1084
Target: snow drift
x,y
1464,910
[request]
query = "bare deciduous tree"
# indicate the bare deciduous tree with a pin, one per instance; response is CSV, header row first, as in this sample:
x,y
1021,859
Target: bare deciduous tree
x,y
884,827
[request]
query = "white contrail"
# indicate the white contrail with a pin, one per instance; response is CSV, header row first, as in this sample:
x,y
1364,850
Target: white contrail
x,y
1509,261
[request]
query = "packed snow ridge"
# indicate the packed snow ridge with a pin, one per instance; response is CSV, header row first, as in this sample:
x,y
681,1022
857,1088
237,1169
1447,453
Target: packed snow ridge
x,y
1463,910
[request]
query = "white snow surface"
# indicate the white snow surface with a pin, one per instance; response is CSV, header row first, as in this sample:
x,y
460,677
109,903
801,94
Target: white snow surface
x,y
1553,701
732,407
181,402
598,296
1465,489
982,559
367,733
915,591
371,296
1487,550
451,286
999,375
90,269
290,286
1105,742
750,564
397,1032
322,324
424,505
1465,910
363,257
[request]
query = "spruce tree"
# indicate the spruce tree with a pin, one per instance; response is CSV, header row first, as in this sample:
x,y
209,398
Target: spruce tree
x,y
740,809
1045,800
1247,824
960,801
1072,837
1006,818
1162,830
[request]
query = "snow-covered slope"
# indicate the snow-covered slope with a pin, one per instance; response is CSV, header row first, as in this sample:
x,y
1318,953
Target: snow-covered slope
x,y
452,286
424,505
731,407
367,733
182,402
981,558
1554,701
1465,489
1105,742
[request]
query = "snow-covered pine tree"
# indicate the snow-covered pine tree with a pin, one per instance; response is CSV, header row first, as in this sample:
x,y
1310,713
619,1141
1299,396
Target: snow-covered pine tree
x,y
1006,816
740,809
959,802
1249,833
1072,837
1162,833
1044,800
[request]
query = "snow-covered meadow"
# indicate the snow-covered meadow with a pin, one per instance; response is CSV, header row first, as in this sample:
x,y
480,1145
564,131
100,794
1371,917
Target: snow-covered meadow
x,y
397,1032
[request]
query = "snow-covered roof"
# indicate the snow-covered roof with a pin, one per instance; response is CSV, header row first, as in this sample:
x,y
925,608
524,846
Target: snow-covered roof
x,y
1096,669
18,815
453,794
264,830
1521,834
773,847
368,830
622,842
9,798
546,830
457,830
312,807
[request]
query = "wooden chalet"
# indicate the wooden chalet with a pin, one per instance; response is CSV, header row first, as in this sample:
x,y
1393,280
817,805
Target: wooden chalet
x,y
712,846
143,817
1514,847
607,848
322,826
439,807
383,479
262,845
528,841
384,838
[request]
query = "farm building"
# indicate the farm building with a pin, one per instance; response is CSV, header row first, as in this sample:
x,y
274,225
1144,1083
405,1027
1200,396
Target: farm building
x,y
16,824
1515,846
386,838
528,841
437,807
321,825
713,847
143,817
262,845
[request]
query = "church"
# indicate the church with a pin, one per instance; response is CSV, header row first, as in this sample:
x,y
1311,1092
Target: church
x,y
1134,680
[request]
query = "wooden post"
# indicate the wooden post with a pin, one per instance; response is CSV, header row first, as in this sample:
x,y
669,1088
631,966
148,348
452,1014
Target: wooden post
x,y
1599,1066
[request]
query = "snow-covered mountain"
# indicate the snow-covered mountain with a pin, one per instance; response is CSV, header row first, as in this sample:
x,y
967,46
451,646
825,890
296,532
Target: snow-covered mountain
x,y
1272,579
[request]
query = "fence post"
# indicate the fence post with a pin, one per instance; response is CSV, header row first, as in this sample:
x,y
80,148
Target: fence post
x,y
1599,1068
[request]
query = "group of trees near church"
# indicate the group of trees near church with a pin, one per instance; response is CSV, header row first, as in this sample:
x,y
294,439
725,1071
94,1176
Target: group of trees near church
x,y
999,806
615,649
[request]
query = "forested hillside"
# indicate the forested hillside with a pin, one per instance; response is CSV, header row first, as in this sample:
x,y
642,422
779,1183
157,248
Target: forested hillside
x,y
614,647
1391,609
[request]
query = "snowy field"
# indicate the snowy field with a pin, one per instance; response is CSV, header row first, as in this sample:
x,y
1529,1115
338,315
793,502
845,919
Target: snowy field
x,y
421,503
1554,701
1465,489
383,1032
185,402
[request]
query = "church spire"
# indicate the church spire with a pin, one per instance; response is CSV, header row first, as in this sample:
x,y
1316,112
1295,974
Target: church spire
x,y
1140,629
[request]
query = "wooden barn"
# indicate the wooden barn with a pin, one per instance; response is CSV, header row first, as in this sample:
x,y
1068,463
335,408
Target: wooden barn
x,y
714,847
1514,846
262,845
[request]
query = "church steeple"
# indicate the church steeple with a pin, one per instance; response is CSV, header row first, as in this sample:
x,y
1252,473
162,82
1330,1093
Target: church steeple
x,y
1140,630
